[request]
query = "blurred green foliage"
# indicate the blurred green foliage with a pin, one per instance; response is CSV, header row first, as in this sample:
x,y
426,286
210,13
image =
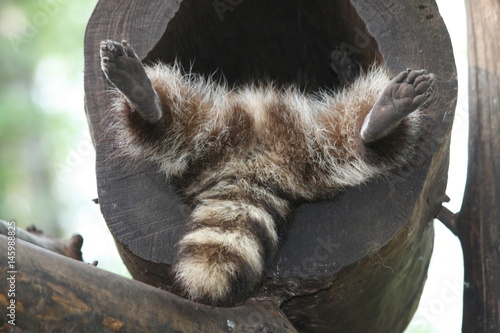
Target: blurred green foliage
x,y
41,103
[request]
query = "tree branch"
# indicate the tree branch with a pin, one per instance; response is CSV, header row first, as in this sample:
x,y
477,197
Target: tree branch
x,y
67,247
448,218
55,293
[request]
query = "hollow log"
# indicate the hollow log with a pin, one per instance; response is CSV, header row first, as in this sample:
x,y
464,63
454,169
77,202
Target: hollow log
x,y
357,263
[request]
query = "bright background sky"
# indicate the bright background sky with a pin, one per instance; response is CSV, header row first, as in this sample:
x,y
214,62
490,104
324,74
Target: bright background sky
x,y
47,160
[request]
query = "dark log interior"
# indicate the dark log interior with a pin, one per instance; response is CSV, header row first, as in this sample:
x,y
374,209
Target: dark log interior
x,y
287,42
367,249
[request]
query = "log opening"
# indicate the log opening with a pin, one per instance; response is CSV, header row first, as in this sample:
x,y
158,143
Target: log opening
x,y
288,42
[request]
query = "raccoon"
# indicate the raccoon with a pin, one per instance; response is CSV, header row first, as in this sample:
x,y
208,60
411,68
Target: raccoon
x,y
244,158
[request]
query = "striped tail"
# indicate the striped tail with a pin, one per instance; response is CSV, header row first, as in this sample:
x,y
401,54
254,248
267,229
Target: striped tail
x,y
223,255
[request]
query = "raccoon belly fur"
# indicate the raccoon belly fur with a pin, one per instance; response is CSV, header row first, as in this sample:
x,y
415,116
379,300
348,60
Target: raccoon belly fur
x,y
243,158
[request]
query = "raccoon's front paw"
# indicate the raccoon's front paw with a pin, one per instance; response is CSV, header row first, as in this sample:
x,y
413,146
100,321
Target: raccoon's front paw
x,y
343,66
124,70
408,91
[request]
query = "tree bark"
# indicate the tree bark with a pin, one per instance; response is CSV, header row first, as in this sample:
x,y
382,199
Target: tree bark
x,y
478,224
54,293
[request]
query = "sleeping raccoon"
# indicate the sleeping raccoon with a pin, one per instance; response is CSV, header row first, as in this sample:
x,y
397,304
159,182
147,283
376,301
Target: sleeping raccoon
x,y
244,158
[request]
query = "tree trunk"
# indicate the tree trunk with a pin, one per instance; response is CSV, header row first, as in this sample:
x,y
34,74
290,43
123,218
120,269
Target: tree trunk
x,y
478,224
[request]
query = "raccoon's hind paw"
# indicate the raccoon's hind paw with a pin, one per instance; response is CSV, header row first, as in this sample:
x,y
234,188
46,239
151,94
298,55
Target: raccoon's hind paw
x,y
124,70
343,66
408,91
